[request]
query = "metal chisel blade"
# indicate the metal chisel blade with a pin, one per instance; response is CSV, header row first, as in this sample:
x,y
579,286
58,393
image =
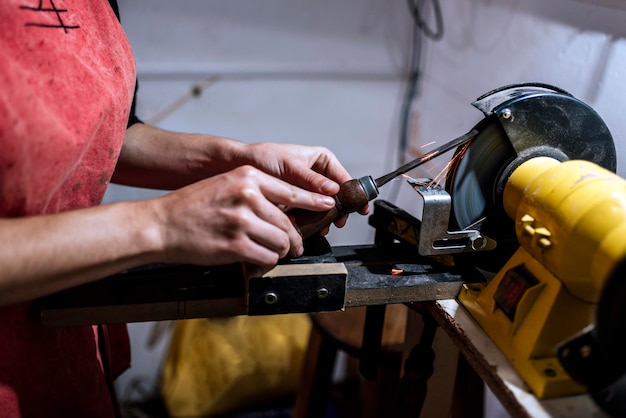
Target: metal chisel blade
x,y
463,139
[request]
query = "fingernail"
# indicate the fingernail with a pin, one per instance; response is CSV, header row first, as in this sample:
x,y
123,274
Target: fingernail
x,y
328,201
299,251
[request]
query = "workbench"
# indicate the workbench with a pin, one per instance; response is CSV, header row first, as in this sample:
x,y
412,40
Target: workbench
x,y
497,372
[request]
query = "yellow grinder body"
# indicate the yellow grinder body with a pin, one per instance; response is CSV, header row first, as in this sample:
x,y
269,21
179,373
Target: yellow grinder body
x,y
571,217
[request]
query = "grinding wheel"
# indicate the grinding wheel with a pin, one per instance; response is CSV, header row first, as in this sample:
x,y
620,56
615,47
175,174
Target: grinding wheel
x,y
472,183
474,174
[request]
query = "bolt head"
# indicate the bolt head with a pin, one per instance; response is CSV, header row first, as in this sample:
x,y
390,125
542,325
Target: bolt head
x,y
270,298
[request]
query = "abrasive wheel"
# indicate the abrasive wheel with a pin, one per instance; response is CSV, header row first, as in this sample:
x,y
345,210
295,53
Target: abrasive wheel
x,y
472,182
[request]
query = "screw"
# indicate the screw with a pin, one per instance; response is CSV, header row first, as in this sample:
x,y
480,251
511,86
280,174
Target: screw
x,y
506,113
543,238
478,243
585,351
322,293
549,372
271,298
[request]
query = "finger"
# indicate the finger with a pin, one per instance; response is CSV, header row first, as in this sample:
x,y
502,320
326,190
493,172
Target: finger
x,y
257,254
325,231
329,167
341,221
275,239
322,175
268,224
309,179
364,210
282,193
276,232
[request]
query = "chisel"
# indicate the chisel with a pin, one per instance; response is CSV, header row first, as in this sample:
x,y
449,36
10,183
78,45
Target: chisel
x,y
356,193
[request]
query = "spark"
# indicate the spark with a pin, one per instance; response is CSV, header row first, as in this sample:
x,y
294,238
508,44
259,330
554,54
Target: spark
x,y
396,271
437,180
424,182
453,161
404,176
420,182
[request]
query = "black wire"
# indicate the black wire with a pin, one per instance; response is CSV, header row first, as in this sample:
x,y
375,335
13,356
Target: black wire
x,y
435,34
410,91
414,76
413,79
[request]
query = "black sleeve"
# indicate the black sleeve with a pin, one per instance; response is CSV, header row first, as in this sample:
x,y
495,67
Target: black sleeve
x,y
132,118
116,9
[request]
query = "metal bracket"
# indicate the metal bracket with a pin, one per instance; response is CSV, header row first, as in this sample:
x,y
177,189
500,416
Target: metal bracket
x,y
434,236
431,235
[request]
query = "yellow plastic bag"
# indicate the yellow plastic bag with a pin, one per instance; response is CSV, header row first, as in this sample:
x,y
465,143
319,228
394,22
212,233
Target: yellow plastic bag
x,y
218,365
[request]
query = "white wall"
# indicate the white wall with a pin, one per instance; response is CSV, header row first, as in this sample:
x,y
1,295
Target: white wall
x,y
331,72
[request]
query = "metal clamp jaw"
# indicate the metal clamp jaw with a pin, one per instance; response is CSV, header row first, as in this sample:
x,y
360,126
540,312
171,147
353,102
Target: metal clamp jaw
x,y
434,237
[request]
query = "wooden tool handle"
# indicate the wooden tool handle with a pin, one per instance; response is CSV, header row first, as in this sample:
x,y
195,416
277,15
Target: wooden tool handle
x,y
352,196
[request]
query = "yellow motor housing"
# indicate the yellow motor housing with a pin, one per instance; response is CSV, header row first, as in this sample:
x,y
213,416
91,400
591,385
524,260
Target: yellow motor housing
x,y
570,221
571,217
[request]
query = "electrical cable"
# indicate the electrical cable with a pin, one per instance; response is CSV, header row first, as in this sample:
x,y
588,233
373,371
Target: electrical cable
x,y
414,75
410,92
435,34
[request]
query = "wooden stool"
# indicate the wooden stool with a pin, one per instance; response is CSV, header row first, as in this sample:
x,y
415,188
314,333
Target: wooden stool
x,y
336,331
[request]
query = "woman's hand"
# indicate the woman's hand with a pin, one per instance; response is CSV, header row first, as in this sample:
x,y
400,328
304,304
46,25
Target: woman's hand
x,y
313,168
233,217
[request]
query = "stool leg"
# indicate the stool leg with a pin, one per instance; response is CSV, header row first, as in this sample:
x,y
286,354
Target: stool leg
x,y
372,340
418,368
378,396
316,379
469,392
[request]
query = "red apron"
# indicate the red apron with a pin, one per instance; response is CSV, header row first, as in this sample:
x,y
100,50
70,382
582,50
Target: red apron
x,y
67,77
